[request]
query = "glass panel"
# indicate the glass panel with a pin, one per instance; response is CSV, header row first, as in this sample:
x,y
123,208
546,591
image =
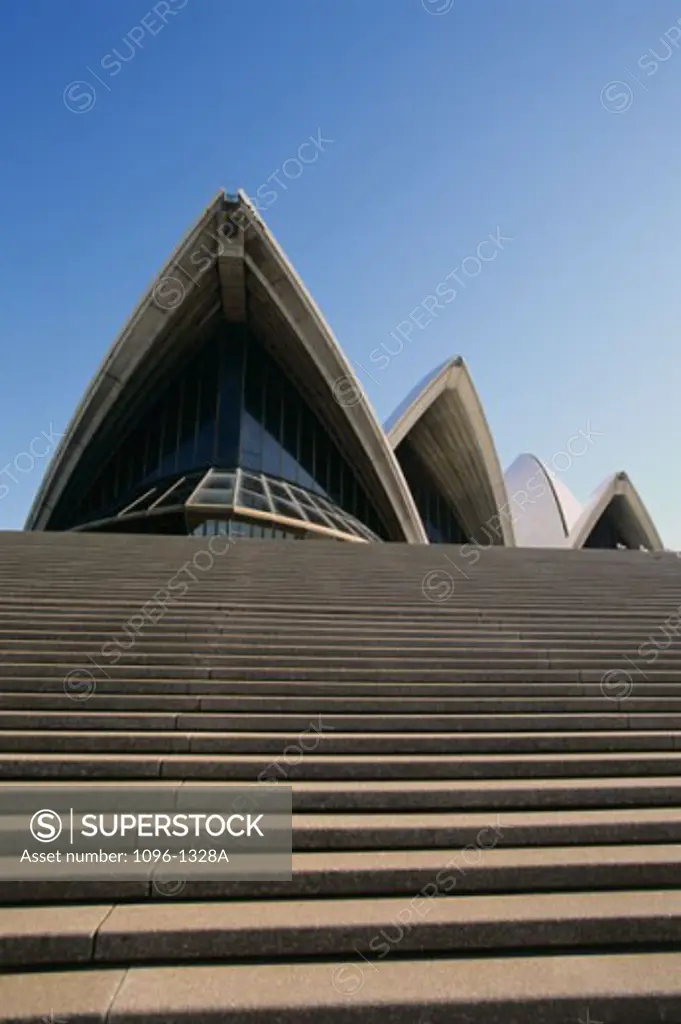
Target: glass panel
x,y
170,425
317,517
190,405
271,462
124,471
273,405
232,354
321,462
213,496
290,435
351,498
303,498
153,447
204,453
271,455
138,449
253,483
279,490
285,508
219,478
335,470
440,520
178,493
306,477
239,529
251,426
250,500
251,442
339,523
326,506
108,487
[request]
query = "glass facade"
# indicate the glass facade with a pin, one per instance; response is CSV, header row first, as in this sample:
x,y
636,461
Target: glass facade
x,y
237,497
229,406
606,533
439,519
235,528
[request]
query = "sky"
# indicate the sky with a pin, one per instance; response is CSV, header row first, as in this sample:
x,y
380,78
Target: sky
x,y
542,136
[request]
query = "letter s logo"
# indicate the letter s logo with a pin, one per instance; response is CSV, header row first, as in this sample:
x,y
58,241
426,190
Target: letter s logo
x,y
46,826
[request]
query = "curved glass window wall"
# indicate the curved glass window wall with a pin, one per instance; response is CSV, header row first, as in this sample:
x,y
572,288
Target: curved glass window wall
x,y
253,503
230,405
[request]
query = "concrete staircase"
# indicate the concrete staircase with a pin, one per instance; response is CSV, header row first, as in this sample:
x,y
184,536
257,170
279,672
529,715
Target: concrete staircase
x,y
485,772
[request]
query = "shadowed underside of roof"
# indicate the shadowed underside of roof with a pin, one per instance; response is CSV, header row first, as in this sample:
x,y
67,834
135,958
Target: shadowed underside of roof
x,y
616,506
443,422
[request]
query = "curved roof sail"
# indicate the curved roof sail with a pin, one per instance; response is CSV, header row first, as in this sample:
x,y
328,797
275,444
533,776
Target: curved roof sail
x,y
547,514
443,423
544,508
616,516
229,265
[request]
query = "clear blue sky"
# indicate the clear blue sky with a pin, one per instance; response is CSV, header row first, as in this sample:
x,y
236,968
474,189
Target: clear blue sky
x,y
445,128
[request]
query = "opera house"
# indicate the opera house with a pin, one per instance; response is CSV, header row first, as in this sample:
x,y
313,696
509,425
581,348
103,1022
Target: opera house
x,y
226,405
480,757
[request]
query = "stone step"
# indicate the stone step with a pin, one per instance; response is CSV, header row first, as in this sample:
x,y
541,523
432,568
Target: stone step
x,y
617,696
456,795
449,830
506,725
342,874
505,794
134,702
651,604
325,739
258,662
626,988
512,828
130,643
353,928
233,626
249,767
378,671
214,617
